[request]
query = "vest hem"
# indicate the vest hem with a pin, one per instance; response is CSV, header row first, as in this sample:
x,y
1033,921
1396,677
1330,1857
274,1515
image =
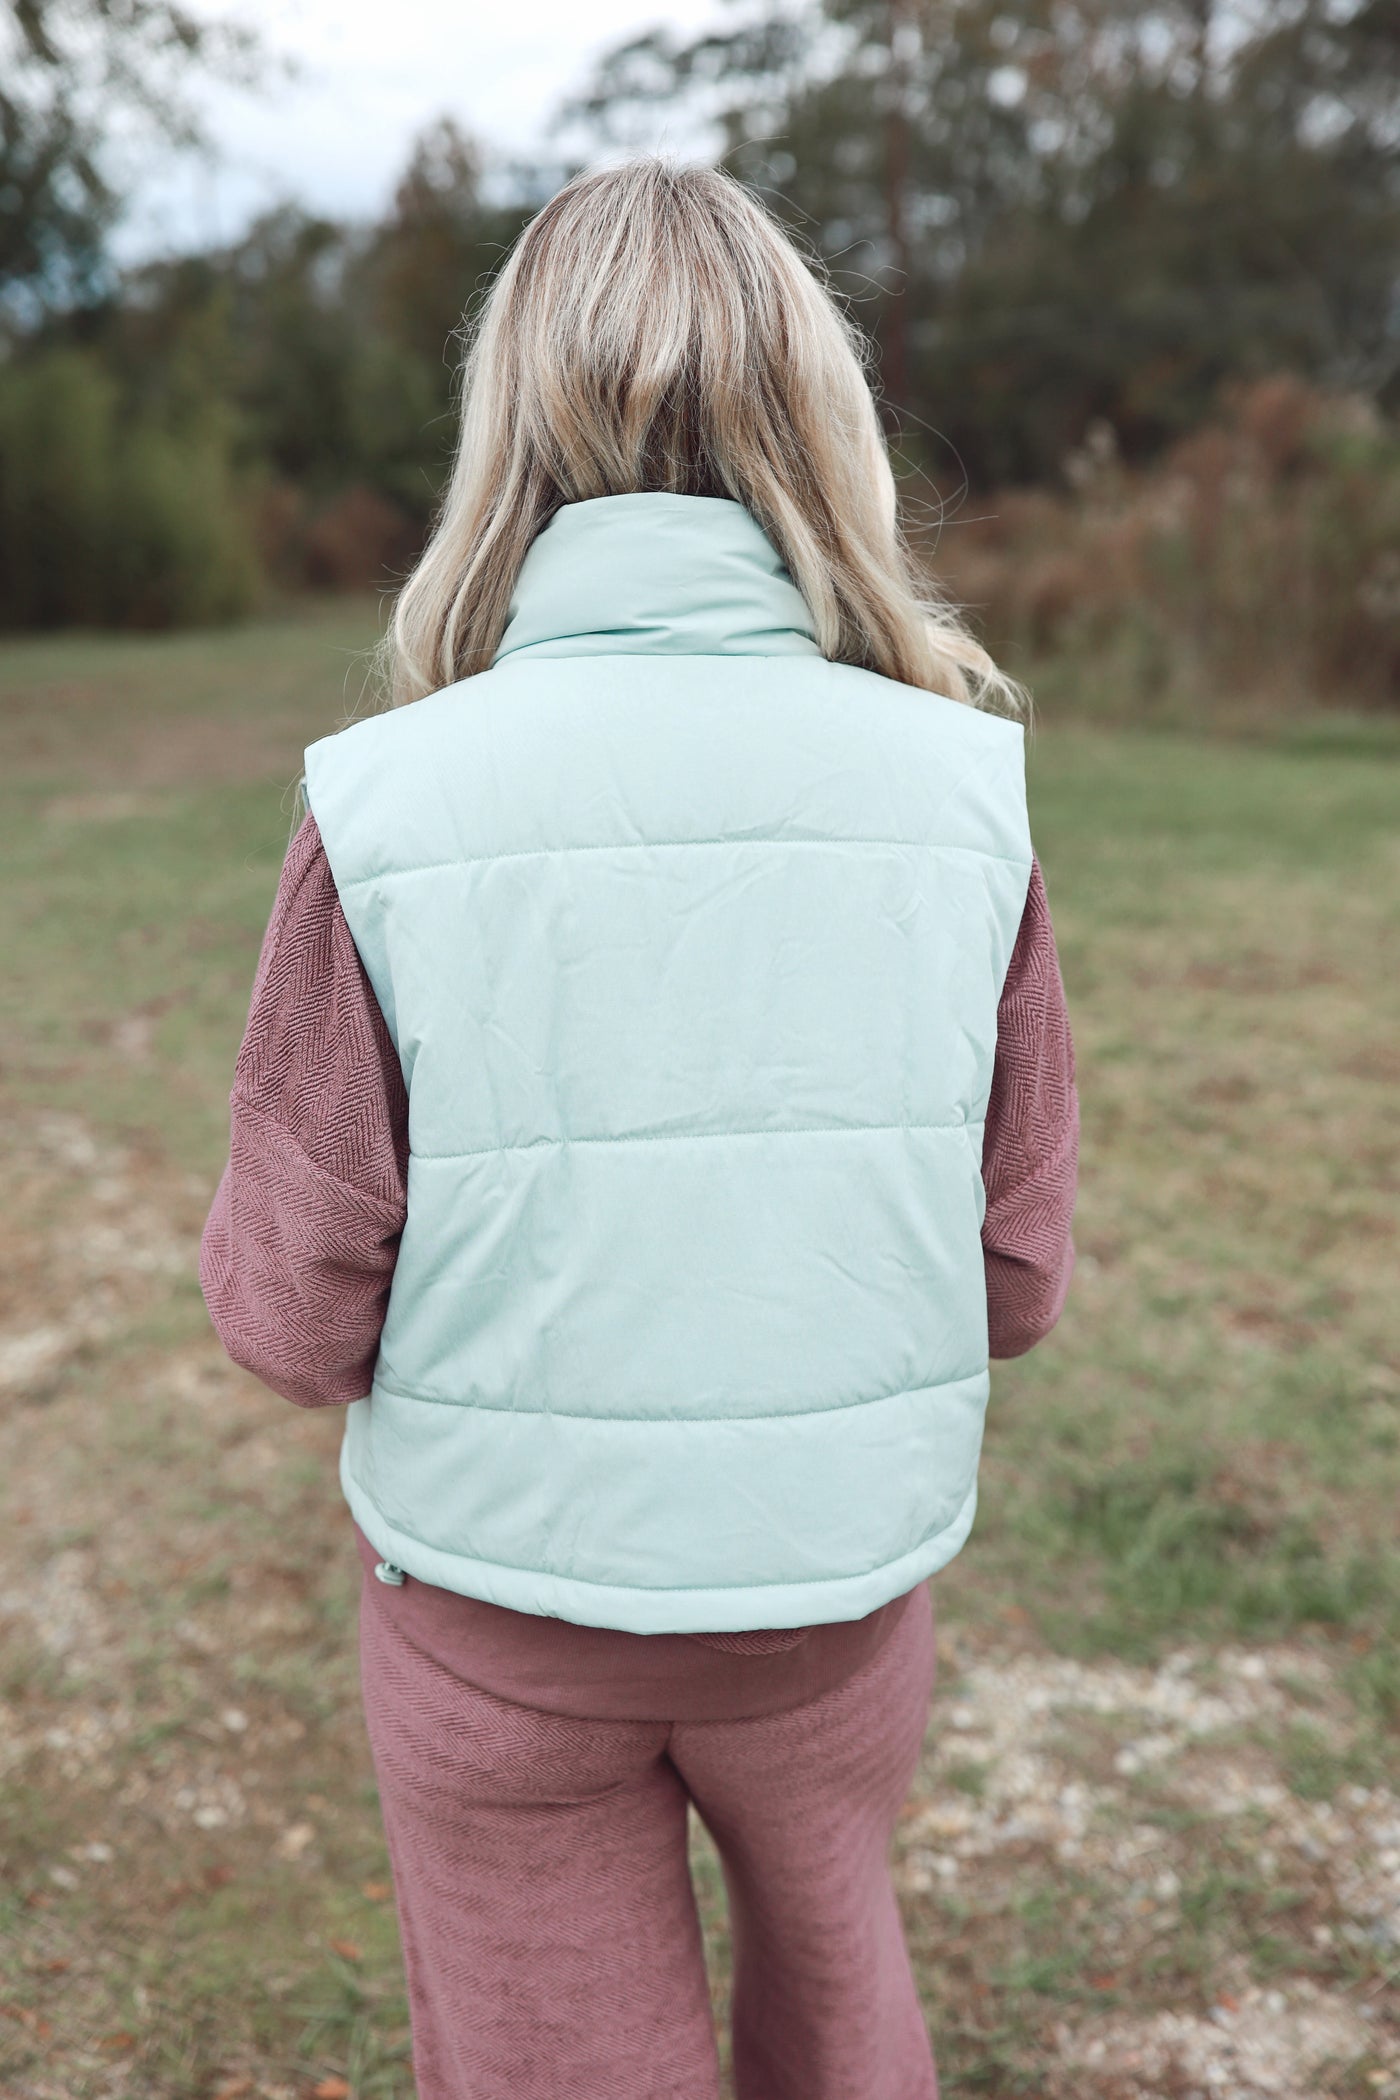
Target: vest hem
x,y
716,1608
578,1414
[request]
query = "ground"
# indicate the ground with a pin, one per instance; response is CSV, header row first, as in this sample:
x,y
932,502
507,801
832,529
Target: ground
x,y
1154,1849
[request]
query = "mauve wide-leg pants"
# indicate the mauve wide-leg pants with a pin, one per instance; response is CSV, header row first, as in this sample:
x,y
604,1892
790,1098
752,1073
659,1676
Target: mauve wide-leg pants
x,y
549,1927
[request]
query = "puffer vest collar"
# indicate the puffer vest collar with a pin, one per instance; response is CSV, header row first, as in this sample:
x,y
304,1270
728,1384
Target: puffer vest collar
x,y
655,575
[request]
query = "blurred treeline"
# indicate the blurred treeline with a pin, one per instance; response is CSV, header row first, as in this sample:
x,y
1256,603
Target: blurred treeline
x,y
273,413
1132,274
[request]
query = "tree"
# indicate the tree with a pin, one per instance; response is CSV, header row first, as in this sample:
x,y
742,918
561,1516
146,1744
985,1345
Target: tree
x,y
1052,211
430,256
86,86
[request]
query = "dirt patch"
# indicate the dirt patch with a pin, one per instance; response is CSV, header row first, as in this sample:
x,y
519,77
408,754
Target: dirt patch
x,y
1286,2045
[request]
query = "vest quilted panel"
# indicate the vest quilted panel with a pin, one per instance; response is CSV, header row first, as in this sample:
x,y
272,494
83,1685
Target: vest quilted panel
x,y
691,944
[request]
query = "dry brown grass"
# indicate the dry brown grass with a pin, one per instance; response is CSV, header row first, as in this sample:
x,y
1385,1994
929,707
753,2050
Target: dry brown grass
x,y
1254,568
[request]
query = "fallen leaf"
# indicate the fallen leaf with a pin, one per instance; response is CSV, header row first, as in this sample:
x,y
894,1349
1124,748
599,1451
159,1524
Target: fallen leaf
x,y
331,2089
1229,2004
234,2089
218,1877
120,2040
346,1949
377,1891
26,2018
57,1966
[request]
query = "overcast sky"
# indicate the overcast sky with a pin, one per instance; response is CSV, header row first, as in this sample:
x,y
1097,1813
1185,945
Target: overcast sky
x,y
368,77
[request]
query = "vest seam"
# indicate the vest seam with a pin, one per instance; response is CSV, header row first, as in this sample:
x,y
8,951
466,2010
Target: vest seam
x,y
781,1414
486,860
695,1137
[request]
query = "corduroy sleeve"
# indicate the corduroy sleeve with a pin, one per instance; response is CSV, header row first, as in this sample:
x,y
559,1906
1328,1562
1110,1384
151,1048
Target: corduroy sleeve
x,y
300,1244
1030,1154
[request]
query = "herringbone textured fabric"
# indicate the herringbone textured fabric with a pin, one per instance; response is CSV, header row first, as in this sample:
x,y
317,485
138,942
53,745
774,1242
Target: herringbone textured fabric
x,y
317,1056
1030,1147
299,1249
548,1923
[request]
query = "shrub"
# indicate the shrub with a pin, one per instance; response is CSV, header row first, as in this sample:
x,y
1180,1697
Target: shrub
x,y
357,539
1258,559
109,516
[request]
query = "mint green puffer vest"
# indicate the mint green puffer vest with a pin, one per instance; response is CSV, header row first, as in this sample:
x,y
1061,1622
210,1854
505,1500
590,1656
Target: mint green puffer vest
x,y
691,945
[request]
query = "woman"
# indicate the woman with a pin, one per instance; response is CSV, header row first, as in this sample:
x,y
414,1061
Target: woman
x,y
656,1103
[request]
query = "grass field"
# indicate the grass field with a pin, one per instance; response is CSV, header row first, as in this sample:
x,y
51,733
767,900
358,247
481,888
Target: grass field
x,y
1155,1847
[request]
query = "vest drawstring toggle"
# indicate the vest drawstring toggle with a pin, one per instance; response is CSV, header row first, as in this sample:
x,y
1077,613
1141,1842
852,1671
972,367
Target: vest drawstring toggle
x,y
387,1572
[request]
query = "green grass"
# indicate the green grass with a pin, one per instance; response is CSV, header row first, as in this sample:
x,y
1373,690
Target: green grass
x,y
1212,1437
1207,1452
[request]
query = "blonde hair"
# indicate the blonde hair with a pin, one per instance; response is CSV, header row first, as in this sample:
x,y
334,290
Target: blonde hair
x,y
654,329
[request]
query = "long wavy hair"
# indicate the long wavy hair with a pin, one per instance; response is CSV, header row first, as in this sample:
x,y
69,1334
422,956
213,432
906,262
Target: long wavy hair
x,y
655,329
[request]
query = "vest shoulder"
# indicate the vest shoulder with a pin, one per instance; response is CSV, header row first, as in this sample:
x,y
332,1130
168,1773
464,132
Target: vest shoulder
x,y
935,714
377,739
481,706
584,750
